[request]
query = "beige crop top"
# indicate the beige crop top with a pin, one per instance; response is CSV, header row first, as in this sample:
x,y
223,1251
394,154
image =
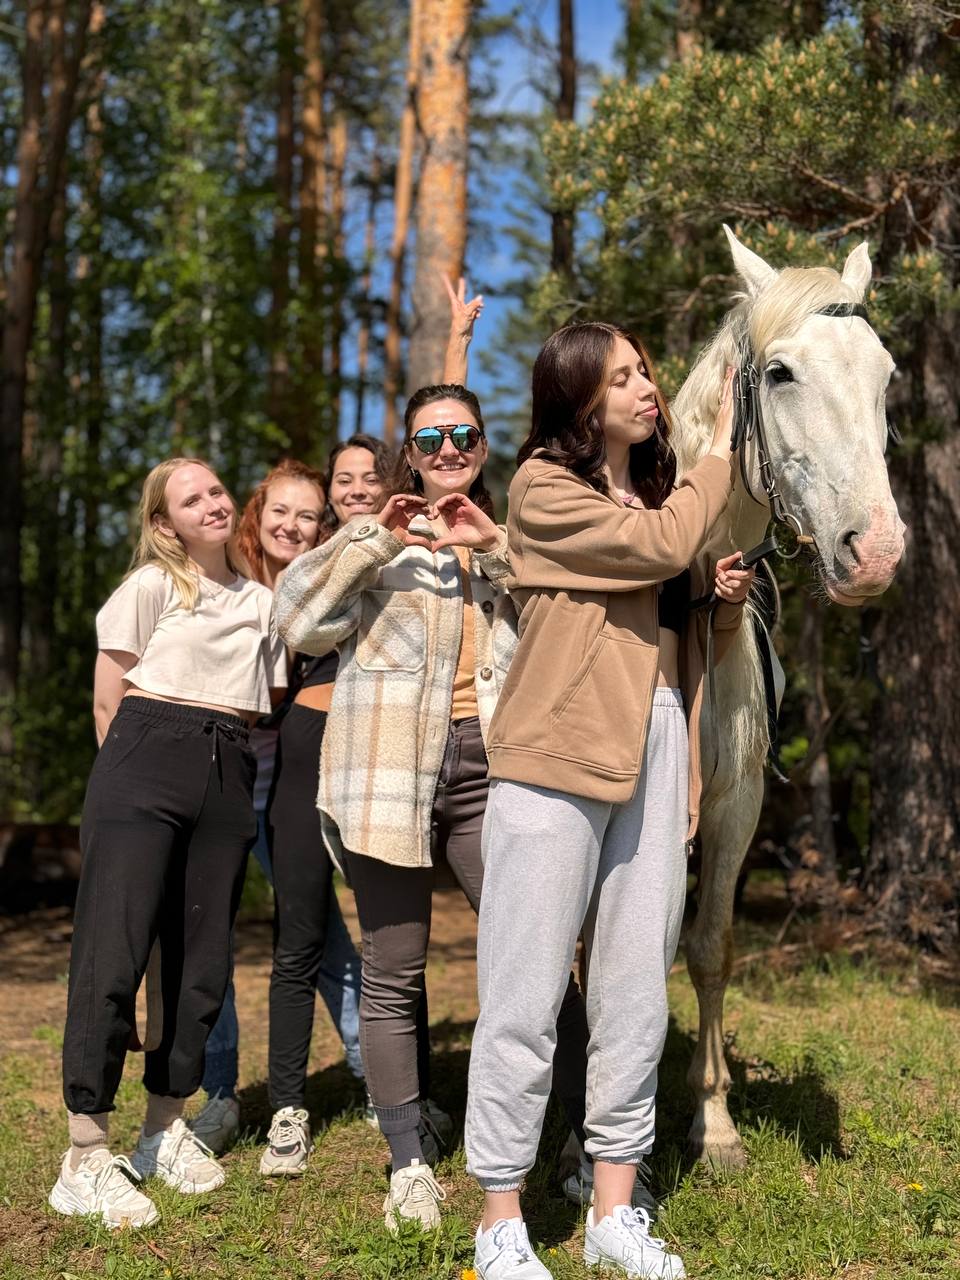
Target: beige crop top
x,y
225,650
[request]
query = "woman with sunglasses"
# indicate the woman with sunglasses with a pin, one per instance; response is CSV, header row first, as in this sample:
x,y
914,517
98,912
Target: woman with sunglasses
x,y
595,781
415,601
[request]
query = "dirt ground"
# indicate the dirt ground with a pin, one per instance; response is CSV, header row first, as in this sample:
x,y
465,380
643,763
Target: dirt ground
x,y
35,953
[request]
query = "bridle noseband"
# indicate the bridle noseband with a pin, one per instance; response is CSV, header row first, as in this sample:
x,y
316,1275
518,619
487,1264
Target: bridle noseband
x,y
748,425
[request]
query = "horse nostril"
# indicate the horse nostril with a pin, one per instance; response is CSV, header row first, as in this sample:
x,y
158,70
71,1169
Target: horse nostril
x,y
849,541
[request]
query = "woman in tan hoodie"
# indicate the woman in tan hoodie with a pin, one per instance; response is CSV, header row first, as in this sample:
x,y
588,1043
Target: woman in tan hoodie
x,y
594,765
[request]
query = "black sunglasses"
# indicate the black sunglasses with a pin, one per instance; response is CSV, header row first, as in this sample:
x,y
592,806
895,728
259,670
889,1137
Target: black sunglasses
x,y
465,437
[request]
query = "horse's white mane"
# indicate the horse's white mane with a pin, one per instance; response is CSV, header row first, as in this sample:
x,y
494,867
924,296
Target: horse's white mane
x,y
795,294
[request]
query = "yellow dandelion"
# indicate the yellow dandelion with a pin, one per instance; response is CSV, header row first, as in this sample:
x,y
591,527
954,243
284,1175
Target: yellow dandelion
x,y
914,1186
468,1273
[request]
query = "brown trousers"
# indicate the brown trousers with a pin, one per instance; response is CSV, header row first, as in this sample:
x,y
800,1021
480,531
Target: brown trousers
x,y
394,909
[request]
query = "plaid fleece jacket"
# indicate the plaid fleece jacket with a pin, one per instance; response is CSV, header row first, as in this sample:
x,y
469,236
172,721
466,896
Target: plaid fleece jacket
x,y
396,615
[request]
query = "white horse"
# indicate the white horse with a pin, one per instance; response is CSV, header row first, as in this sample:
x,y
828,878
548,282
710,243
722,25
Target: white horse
x,y
821,385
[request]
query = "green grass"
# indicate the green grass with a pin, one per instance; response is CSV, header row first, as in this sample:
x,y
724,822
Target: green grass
x,y
845,1090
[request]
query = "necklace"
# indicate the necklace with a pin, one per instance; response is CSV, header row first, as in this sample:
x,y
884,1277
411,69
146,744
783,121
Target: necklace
x,y
628,499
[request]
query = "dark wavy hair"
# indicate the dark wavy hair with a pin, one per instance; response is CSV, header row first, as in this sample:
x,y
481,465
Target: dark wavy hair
x,y
405,479
382,465
569,383
248,535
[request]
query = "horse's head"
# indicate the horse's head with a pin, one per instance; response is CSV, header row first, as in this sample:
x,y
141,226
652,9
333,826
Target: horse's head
x,y
821,386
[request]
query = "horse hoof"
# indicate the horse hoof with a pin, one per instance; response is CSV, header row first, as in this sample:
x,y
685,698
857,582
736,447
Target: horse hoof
x,y
724,1157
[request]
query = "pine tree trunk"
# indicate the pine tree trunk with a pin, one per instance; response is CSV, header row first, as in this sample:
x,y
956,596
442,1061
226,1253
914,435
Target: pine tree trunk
x,y
912,875
366,281
444,112
633,39
278,406
402,203
561,220
17,333
312,248
337,298
90,290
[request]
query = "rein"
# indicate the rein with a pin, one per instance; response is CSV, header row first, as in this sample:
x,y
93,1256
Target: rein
x,y
748,426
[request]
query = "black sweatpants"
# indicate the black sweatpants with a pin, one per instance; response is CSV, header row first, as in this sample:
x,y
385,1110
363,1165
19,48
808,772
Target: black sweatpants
x,y
167,823
394,906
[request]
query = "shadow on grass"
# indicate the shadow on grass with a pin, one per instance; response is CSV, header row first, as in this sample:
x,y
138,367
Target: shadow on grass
x,y
799,1104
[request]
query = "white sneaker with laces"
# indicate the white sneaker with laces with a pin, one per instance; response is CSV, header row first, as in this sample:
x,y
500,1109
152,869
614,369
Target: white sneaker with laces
x,y
505,1253
217,1122
623,1239
414,1193
578,1187
178,1158
103,1185
288,1144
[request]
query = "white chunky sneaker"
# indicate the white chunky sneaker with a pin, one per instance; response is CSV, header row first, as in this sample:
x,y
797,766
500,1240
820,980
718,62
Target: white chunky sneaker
x,y
178,1158
217,1122
623,1239
414,1193
288,1144
578,1187
504,1253
103,1185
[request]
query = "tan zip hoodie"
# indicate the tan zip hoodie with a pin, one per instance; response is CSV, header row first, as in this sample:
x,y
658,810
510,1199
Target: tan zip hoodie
x,y
574,710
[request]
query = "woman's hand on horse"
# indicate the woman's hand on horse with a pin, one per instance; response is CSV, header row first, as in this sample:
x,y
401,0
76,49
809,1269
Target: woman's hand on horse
x,y
733,584
468,526
720,446
397,514
463,314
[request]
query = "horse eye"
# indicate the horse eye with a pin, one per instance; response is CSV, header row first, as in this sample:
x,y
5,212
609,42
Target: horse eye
x,y
778,372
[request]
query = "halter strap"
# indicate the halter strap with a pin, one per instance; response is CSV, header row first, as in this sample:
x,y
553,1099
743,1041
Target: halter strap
x,y
748,426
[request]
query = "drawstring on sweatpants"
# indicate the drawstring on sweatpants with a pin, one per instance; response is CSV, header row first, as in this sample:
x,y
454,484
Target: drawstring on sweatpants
x,y
218,729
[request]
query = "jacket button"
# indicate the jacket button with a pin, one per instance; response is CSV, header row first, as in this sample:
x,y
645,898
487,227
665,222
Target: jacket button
x,y
487,606
364,531
485,673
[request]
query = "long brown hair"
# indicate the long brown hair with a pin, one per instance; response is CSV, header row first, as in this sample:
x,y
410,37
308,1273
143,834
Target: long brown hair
x,y
382,465
569,383
249,536
405,479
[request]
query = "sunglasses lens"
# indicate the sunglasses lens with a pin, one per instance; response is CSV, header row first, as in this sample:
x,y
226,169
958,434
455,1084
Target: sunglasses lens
x,y
465,438
428,440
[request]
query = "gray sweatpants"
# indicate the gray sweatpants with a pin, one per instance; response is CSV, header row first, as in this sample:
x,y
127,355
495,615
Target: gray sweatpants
x,y
554,864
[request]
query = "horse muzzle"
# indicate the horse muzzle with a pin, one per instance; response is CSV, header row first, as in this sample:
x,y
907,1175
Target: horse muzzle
x,y
866,556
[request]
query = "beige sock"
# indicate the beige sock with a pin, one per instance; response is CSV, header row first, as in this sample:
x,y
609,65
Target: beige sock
x,y
161,1113
86,1134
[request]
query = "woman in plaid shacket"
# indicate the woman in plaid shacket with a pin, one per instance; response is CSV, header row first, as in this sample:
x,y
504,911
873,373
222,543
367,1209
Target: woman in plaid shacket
x,y
415,601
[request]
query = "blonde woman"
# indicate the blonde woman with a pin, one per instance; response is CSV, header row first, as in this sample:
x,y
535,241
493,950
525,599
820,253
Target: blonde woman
x,y
187,660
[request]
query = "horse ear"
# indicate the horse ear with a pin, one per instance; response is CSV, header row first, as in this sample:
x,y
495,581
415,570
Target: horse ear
x,y
858,269
753,271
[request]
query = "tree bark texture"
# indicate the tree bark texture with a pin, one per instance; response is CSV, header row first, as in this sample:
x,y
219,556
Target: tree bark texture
x,y
402,204
561,220
278,393
339,139
313,232
912,876
40,151
366,283
444,113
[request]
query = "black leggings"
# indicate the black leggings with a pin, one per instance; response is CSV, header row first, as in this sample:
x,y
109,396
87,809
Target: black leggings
x,y
167,823
302,883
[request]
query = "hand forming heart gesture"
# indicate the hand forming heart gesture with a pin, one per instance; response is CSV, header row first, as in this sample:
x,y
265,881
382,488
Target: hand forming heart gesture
x,y
465,525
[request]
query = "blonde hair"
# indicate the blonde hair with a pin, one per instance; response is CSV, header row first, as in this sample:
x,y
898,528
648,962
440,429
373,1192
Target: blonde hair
x,y
166,550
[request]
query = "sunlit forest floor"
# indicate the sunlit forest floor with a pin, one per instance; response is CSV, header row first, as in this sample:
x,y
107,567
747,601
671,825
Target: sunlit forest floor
x,y
846,1090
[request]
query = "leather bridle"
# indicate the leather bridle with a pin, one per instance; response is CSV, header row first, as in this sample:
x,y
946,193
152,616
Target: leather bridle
x,y
748,426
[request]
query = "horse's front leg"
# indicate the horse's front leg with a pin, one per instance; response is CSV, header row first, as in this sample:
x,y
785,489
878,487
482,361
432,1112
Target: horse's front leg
x,y
727,825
